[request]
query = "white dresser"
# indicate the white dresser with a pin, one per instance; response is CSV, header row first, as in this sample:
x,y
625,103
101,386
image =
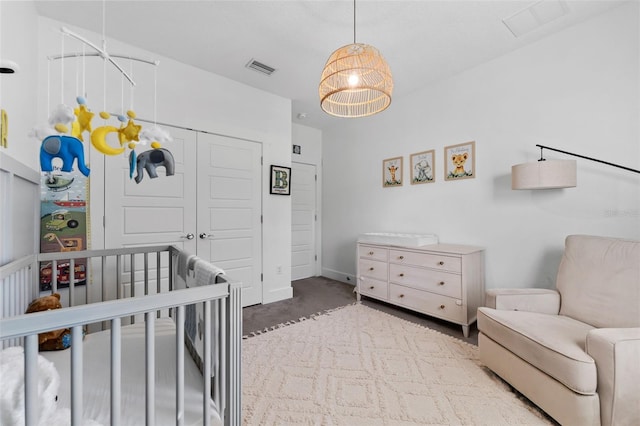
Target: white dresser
x,y
441,280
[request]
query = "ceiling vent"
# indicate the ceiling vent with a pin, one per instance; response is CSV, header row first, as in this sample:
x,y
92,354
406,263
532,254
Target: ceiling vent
x,y
260,67
536,15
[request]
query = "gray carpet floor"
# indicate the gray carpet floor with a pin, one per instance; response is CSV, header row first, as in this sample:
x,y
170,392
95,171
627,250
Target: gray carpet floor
x,y
319,294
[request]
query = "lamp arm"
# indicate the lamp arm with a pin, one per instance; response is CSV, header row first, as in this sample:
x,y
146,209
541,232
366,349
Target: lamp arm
x,y
587,158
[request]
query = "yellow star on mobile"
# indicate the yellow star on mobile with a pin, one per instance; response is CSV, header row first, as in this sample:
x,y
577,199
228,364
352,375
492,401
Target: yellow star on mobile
x,y
83,122
129,132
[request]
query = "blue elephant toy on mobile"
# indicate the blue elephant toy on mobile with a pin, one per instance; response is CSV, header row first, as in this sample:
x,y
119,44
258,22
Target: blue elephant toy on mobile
x,y
66,148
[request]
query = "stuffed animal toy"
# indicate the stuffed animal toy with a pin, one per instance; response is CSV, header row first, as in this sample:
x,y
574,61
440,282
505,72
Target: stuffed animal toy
x,y
149,160
52,340
12,392
68,148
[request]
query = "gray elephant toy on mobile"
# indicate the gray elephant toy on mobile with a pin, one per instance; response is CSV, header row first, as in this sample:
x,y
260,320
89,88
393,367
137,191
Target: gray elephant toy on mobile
x,y
65,147
149,160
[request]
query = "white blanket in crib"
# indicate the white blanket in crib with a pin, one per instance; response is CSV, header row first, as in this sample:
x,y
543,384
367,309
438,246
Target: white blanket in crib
x,y
96,386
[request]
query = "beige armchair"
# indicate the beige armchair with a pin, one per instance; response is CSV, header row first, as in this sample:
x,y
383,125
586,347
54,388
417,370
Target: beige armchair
x,y
573,351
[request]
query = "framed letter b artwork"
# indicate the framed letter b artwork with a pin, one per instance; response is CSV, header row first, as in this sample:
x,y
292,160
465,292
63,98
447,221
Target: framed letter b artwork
x,y
280,182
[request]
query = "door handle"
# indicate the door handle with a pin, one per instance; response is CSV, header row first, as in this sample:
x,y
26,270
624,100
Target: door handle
x,y
189,236
204,236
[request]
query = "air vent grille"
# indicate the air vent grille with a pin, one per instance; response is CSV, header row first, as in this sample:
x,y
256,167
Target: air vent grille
x,y
260,67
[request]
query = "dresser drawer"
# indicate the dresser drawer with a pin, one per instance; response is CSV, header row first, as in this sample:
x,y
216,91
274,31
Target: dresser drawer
x,y
374,288
432,304
373,269
439,282
435,261
373,252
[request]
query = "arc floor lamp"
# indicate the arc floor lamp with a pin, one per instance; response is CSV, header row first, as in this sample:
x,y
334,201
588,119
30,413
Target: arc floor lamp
x,y
551,174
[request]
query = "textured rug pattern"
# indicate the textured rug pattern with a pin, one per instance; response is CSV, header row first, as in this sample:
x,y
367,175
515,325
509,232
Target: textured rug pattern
x,y
359,366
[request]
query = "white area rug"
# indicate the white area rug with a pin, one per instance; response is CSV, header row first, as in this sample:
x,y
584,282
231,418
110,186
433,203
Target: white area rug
x,y
359,366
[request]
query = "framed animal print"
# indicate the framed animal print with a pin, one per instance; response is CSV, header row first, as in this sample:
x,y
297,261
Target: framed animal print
x,y
423,167
392,172
460,161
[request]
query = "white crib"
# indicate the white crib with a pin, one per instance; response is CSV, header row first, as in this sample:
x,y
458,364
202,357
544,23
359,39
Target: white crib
x,y
133,317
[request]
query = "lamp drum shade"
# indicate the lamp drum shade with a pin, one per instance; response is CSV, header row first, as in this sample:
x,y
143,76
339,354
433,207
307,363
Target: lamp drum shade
x,y
547,174
356,82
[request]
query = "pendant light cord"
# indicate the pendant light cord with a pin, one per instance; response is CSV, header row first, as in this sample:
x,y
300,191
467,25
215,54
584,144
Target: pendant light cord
x,y
354,21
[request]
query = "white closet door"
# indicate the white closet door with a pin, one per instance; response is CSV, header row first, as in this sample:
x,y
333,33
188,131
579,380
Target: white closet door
x,y
154,211
229,208
303,213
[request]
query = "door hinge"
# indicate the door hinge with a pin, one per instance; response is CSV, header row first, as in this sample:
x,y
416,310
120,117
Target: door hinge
x,y
261,161
315,217
104,221
261,277
316,176
261,219
316,256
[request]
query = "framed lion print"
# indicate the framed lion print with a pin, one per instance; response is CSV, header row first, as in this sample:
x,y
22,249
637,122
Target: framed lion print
x,y
460,161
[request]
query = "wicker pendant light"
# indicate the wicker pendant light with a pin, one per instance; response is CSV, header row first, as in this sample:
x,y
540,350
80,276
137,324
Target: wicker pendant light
x,y
356,80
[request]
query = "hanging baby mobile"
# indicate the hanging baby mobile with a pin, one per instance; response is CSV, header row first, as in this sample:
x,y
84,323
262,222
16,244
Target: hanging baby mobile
x,y
63,136
65,141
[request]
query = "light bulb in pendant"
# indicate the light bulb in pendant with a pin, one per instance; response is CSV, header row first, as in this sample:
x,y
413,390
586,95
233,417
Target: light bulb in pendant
x,y
353,80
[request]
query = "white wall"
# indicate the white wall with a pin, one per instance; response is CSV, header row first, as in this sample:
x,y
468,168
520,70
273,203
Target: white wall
x,y
577,90
310,141
18,92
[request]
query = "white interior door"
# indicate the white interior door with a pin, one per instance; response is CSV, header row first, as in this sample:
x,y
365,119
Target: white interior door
x,y
229,209
303,220
154,211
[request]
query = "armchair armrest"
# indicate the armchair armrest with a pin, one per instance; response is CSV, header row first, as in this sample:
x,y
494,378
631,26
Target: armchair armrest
x,y
539,300
616,352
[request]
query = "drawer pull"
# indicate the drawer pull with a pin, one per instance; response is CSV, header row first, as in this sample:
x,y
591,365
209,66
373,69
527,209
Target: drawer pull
x,y
370,253
402,275
371,288
441,263
371,269
401,296
401,257
441,283
441,306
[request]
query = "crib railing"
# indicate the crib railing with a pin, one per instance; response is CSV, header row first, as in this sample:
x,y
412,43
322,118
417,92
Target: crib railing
x,y
156,297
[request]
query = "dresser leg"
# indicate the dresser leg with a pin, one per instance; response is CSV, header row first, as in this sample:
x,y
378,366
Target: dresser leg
x,y
465,330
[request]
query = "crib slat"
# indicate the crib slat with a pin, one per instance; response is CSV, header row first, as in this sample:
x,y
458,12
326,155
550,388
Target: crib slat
x,y
223,358
150,364
54,276
146,274
206,368
31,380
132,277
216,352
180,314
116,371
76,375
72,282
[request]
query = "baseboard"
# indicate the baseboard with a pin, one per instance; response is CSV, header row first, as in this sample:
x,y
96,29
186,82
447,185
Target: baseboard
x,y
339,276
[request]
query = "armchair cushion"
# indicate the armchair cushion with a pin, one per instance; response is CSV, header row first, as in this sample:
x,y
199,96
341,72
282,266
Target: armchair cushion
x,y
524,299
553,344
598,279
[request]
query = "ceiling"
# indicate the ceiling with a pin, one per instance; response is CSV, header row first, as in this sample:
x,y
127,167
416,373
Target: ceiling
x,y
422,41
